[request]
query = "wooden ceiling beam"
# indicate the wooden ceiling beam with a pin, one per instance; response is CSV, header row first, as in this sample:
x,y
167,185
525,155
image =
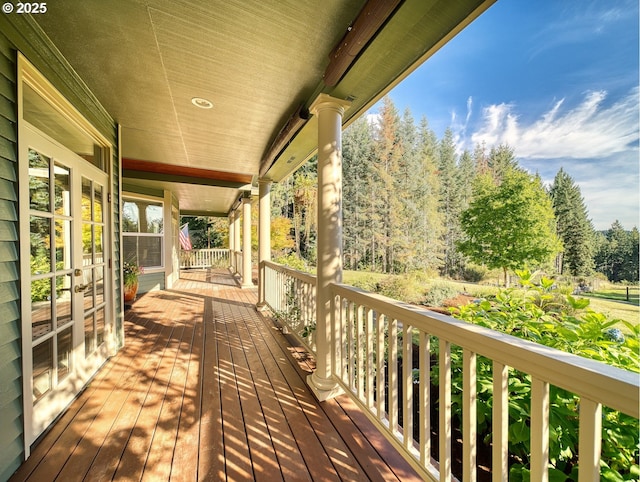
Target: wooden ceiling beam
x,y
139,169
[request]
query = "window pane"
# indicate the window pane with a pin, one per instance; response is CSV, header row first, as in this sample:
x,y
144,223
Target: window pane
x,y
87,244
87,294
39,181
99,278
40,307
86,199
63,245
98,254
42,369
130,217
100,327
130,249
150,251
63,299
64,353
153,215
97,204
89,338
40,245
62,190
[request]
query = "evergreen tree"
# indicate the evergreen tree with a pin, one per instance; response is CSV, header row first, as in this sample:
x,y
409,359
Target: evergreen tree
x,y
501,160
450,203
387,158
430,226
573,226
617,254
356,180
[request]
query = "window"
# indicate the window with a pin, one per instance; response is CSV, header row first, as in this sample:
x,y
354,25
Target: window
x,y
142,232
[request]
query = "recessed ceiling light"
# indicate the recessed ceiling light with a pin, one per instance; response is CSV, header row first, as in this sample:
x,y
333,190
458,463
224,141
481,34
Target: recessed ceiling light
x,y
202,103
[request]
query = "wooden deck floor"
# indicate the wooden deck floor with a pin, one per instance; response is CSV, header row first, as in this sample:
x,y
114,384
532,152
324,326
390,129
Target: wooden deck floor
x,y
208,389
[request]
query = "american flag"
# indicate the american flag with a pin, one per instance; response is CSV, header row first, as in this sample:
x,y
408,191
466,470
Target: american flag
x,y
185,240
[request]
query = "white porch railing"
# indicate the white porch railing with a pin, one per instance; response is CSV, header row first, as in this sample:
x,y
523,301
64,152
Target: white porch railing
x,y
291,295
371,329
203,258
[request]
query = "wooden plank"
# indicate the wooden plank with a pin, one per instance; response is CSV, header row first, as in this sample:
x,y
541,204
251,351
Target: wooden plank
x,y
207,389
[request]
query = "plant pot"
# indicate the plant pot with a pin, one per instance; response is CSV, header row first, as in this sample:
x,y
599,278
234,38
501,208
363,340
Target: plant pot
x,y
130,293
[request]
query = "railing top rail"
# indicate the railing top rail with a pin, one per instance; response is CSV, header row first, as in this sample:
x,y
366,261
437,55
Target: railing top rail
x,y
294,273
613,387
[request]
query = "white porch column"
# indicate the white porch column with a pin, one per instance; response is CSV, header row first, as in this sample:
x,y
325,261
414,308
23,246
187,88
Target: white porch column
x,y
247,282
236,241
329,112
232,258
264,236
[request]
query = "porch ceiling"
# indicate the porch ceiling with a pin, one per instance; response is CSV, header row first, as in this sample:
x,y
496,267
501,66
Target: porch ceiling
x,y
257,61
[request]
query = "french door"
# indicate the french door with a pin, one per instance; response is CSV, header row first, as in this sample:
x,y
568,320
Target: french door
x,y
66,303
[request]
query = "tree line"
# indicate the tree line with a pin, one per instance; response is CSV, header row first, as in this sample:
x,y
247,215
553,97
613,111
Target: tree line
x,y
411,202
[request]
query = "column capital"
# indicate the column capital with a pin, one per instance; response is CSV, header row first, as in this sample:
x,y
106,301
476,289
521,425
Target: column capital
x,y
325,101
264,181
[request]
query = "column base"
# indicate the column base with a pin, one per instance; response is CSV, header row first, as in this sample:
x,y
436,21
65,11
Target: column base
x,y
324,389
262,306
247,286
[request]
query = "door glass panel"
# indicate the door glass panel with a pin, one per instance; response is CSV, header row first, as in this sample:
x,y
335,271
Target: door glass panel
x,y
42,368
40,234
63,244
39,175
89,335
87,281
41,322
65,345
98,252
86,199
100,326
99,281
64,299
62,190
87,244
97,204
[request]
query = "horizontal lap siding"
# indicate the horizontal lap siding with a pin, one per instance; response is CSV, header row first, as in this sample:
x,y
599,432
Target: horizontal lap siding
x,y
11,441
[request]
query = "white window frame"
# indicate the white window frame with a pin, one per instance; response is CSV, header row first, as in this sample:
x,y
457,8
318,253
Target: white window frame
x,y
129,196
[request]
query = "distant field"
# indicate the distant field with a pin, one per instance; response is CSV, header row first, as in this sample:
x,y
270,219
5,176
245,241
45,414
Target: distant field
x,y
609,300
618,293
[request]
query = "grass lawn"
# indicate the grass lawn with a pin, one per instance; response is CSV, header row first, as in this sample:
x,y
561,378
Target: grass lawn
x,y
609,300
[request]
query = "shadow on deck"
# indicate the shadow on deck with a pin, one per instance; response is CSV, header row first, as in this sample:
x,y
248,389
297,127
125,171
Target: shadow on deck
x,y
206,388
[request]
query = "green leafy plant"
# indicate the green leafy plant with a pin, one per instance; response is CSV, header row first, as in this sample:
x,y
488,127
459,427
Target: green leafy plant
x,y
540,313
130,273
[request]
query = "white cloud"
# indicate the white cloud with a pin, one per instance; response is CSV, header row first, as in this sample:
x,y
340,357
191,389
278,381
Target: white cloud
x,y
590,130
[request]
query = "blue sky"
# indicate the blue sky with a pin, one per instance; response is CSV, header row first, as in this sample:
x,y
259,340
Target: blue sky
x,y
557,80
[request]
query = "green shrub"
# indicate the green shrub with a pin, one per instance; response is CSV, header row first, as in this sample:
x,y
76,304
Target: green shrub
x,y
438,293
474,273
410,289
535,314
293,261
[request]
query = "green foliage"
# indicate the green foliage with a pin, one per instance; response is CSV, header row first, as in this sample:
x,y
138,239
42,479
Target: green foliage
x,y
130,273
293,261
407,288
438,293
573,226
510,224
617,253
535,314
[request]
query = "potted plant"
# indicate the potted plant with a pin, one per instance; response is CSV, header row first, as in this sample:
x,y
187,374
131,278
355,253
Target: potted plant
x,y
130,273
